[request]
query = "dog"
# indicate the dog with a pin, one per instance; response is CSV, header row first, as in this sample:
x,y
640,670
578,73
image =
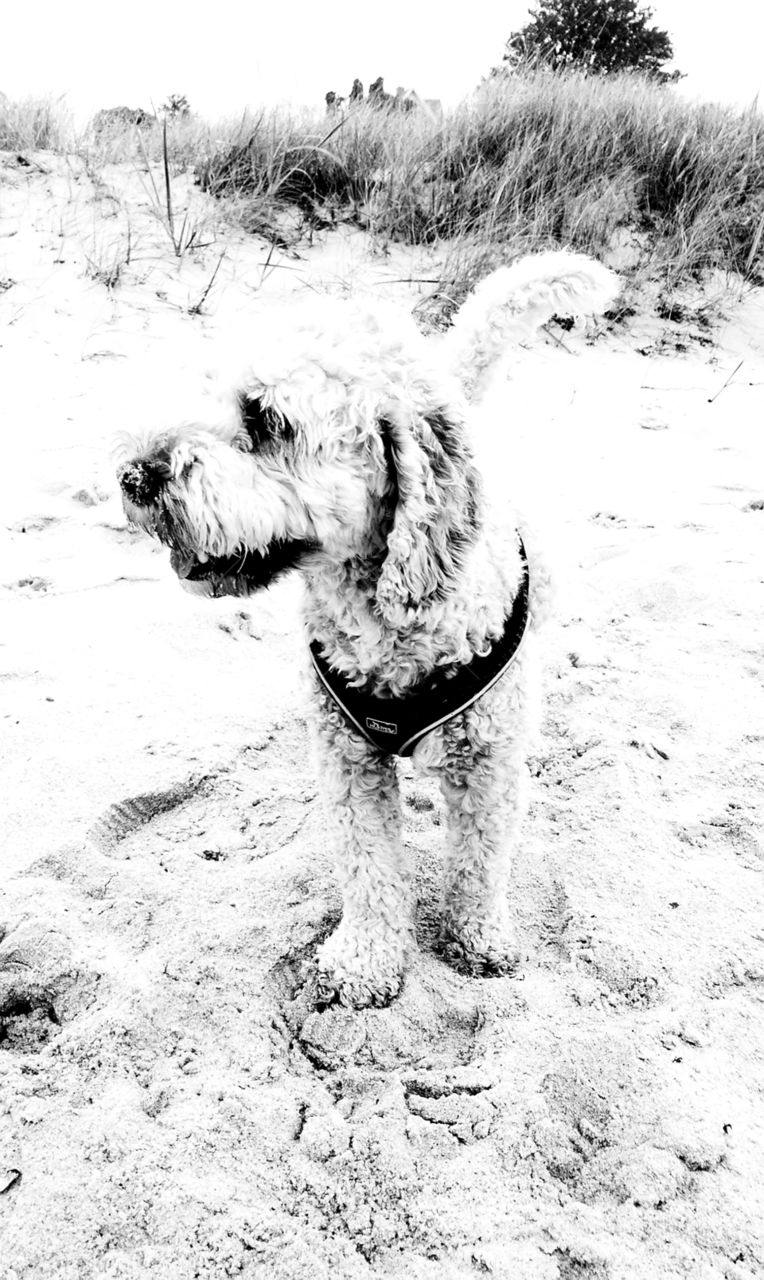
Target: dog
x,y
348,457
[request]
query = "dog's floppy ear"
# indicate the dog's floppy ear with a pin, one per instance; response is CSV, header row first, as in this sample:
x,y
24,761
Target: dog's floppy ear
x,y
437,512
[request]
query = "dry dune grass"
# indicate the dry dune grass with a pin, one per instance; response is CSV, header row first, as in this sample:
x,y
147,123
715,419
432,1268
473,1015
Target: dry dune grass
x,y
532,161
537,160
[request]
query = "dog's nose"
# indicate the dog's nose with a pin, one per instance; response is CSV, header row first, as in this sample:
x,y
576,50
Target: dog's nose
x,y
141,482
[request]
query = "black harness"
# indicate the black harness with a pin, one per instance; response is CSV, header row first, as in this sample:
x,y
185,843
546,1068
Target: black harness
x,y
397,725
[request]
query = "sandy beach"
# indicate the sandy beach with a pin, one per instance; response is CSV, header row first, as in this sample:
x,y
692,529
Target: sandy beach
x,y
171,1105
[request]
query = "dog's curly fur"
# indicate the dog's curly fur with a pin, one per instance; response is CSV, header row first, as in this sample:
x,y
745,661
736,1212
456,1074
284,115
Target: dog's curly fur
x,y
349,458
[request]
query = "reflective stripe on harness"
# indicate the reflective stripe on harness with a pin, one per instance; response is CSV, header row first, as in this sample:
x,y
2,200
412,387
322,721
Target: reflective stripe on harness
x,y
397,725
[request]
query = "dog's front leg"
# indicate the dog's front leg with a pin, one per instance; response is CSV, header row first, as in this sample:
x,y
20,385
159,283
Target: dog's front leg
x,y
362,962
484,785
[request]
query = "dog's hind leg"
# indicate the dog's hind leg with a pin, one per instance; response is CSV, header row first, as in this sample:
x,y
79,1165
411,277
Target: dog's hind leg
x,y
362,962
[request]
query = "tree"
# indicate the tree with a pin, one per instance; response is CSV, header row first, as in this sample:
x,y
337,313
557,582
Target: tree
x,y
599,36
176,105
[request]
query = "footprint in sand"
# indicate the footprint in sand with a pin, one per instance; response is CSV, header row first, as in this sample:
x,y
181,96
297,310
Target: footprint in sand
x,y
127,816
609,519
30,586
34,524
40,987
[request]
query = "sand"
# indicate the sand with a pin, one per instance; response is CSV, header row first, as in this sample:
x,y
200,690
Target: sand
x,y
171,1104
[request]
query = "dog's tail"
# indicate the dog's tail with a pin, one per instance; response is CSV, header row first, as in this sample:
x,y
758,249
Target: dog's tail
x,y
513,301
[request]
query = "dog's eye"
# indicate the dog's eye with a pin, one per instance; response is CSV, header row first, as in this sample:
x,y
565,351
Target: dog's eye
x,y
263,425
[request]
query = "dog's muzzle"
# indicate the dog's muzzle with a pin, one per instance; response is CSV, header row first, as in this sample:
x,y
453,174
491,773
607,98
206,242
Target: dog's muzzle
x,y
245,571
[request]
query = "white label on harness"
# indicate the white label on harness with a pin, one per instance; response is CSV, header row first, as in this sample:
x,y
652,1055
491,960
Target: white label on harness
x,y
381,726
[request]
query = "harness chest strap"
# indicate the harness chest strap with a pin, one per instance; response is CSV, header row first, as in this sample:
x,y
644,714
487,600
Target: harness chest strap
x,y
397,725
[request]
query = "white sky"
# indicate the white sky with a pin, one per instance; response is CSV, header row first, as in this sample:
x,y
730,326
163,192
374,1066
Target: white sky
x,y
225,54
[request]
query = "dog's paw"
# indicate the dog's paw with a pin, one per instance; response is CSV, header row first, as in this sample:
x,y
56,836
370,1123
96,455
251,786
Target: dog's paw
x,y
359,967
482,949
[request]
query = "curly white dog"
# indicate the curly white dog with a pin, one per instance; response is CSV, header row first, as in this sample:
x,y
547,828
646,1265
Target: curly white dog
x,y
349,458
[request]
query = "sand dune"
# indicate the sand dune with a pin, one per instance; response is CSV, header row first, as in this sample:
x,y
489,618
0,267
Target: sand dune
x,y
171,1105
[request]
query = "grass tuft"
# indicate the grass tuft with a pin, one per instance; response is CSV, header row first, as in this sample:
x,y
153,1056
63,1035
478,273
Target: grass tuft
x,y
185,233
35,124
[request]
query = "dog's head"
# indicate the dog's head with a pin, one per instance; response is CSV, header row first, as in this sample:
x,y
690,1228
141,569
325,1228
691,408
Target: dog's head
x,y
330,461
240,507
